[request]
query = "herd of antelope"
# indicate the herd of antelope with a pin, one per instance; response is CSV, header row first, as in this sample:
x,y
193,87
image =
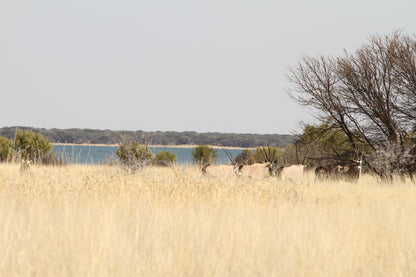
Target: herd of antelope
x,y
349,173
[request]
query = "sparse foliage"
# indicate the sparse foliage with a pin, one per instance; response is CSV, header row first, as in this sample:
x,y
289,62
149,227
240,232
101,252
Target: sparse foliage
x,y
390,158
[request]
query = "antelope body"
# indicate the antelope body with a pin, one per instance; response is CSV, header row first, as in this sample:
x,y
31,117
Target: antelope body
x,y
26,166
262,170
349,173
223,170
257,170
322,173
293,172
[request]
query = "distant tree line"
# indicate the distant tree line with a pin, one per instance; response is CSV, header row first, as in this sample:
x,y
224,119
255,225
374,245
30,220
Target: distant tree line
x,y
91,136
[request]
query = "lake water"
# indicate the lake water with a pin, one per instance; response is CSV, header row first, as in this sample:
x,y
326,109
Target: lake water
x,y
83,154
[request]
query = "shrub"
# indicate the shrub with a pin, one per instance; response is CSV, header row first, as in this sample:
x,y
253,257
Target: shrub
x,y
261,155
5,149
165,158
34,147
133,156
246,157
268,154
204,154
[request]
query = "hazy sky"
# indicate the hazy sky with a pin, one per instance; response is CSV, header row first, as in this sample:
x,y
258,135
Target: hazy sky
x,y
206,66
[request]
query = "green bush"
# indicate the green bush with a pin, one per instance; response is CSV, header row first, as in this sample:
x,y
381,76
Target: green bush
x,y
34,147
134,156
268,154
204,154
262,154
5,149
246,157
165,158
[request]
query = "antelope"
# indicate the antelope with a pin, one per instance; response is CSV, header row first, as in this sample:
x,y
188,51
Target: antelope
x,y
257,170
349,173
261,170
322,173
223,170
26,166
292,173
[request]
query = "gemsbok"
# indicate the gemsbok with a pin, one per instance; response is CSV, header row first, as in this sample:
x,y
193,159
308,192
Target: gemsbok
x,y
322,173
261,170
348,173
257,170
26,166
223,170
291,173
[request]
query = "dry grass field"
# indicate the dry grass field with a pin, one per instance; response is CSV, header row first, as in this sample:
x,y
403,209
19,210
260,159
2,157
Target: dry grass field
x,y
99,221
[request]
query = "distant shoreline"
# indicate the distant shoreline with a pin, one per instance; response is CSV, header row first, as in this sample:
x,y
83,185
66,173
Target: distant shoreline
x,y
151,145
167,139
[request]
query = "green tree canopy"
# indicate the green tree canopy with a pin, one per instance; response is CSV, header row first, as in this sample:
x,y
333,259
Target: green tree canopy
x,y
324,145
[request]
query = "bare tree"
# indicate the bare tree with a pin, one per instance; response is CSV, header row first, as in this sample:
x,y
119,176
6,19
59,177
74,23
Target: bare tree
x,y
405,71
365,94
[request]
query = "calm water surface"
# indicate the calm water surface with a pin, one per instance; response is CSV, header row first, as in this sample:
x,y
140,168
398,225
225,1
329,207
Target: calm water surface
x,y
83,154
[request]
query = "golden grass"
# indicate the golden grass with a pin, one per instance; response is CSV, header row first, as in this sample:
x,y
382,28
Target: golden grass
x,y
98,221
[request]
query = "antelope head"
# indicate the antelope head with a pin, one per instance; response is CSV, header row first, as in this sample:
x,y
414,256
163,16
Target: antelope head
x,y
237,166
269,156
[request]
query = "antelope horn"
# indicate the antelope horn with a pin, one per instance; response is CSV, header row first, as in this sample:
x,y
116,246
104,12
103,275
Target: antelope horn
x,y
229,155
273,155
265,155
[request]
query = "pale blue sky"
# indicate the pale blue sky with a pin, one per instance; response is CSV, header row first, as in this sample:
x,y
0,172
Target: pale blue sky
x,y
214,66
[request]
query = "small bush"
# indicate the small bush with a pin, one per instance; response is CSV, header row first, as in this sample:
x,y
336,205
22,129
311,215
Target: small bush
x,y
204,154
5,149
268,154
165,158
133,156
246,157
34,147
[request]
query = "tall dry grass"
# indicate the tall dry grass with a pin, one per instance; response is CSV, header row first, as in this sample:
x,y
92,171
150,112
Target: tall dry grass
x,y
99,221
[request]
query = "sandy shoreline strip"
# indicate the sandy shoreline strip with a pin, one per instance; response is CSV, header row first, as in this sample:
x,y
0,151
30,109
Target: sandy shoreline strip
x,y
170,146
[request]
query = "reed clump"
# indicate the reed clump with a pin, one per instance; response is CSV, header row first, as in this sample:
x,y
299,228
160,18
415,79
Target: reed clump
x,y
81,220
